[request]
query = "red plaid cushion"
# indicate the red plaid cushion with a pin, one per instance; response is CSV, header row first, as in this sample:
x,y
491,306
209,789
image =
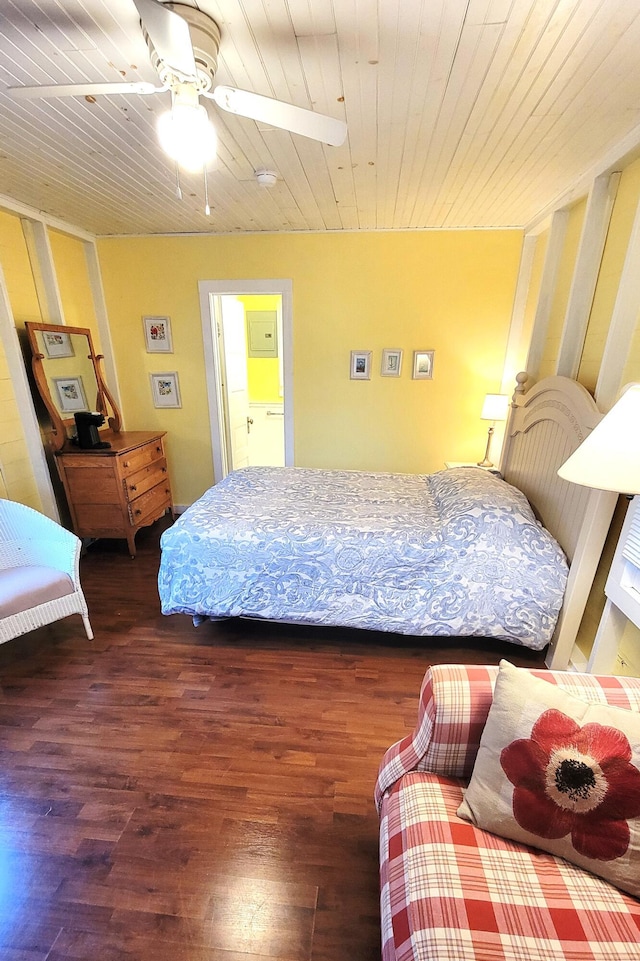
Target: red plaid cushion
x,y
454,704
451,891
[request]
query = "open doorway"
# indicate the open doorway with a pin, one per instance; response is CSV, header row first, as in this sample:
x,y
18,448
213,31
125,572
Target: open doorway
x,y
247,335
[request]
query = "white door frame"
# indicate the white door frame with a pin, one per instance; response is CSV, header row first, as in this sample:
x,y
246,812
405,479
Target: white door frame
x,y
212,288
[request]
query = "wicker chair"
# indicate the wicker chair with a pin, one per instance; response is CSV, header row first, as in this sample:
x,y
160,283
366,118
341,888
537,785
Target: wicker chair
x,y
39,572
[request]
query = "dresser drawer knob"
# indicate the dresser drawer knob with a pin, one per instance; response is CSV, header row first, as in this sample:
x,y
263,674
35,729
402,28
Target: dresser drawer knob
x,y
132,487
159,449
137,511
164,470
126,463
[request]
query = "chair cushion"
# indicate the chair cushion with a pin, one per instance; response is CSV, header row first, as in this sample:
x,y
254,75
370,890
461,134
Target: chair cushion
x,y
452,891
22,588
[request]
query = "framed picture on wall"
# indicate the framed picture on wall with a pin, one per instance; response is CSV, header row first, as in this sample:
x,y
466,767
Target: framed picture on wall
x,y
360,365
391,362
423,364
157,335
57,344
70,394
165,389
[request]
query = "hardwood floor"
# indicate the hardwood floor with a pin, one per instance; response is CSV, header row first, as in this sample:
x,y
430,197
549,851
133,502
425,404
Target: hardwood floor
x,y
170,793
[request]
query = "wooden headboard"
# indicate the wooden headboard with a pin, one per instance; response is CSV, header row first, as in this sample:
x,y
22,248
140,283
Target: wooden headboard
x,y
547,422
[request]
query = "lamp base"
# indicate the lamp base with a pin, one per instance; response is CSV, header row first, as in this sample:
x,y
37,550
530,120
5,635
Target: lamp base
x,y
486,462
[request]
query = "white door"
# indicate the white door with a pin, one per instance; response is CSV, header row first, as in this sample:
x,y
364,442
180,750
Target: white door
x,y
235,385
212,293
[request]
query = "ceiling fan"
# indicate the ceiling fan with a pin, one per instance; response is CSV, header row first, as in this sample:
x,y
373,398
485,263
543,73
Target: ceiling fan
x,y
183,43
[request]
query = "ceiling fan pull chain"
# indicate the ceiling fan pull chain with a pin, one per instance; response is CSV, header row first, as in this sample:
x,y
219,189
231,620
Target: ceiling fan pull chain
x,y
178,187
207,208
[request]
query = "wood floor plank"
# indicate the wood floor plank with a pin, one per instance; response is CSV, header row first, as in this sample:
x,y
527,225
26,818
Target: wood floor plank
x,y
170,793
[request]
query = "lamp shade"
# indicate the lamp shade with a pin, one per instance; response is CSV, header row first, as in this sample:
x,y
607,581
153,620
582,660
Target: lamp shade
x,y
609,459
495,407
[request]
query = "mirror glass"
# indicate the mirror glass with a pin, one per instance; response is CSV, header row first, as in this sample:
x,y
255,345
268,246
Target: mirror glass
x,y
69,371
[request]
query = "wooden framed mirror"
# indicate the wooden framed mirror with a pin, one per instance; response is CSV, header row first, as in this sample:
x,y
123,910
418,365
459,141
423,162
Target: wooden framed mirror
x,y
68,376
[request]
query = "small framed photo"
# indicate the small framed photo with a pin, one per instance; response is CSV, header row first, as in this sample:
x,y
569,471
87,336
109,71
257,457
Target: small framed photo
x,y
70,394
157,335
57,344
360,365
391,362
423,364
165,389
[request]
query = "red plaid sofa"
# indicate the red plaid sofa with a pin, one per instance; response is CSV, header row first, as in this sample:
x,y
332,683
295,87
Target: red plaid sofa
x,y
451,891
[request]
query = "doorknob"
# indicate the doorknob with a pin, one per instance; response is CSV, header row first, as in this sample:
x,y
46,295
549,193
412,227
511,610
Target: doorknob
x,y
249,423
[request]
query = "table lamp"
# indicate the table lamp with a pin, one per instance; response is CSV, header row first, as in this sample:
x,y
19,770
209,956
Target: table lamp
x,y
494,408
609,458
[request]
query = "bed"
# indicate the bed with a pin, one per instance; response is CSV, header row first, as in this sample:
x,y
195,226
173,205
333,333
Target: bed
x,y
459,552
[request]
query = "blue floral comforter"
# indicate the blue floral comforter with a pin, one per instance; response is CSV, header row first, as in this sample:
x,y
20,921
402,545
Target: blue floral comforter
x,y
453,553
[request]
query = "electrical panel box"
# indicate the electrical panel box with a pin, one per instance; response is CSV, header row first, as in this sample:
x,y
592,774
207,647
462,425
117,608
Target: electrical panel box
x,y
262,333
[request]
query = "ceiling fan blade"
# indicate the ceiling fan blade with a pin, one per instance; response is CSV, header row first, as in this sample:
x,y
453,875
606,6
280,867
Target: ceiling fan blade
x,y
170,37
82,90
276,113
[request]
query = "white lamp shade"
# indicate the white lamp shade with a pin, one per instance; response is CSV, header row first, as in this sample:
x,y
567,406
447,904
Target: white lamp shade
x,y
495,407
609,459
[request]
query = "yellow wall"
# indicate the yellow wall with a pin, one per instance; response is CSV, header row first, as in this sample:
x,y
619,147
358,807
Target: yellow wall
x,y
629,651
451,292
562,289
263,372
535,280
73,283
17,270
613,258
608,281
631,372
16,474
609,277
17,480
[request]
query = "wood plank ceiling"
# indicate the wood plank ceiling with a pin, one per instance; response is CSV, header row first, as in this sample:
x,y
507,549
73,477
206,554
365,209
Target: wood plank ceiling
x,y
461,113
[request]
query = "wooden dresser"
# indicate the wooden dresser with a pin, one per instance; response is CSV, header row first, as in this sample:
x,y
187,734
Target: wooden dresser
x,y
115,491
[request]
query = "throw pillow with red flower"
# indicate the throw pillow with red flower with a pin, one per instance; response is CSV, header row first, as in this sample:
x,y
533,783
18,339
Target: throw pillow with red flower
x,y
561,774
577,781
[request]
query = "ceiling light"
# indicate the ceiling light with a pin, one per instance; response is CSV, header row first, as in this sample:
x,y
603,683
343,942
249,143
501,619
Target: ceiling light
x,y
186,134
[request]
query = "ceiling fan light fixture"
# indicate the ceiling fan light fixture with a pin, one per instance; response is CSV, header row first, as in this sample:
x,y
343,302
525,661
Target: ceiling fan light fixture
x,y
187,135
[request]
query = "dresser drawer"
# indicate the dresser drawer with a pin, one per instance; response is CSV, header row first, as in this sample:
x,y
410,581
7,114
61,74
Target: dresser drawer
x,y
143,480
134,460
150,504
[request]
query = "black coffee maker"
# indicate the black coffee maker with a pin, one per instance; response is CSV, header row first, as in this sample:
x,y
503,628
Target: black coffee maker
x,y
87,423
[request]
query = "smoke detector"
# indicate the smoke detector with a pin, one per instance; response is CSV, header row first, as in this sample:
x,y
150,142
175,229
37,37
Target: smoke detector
x,y
266,178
